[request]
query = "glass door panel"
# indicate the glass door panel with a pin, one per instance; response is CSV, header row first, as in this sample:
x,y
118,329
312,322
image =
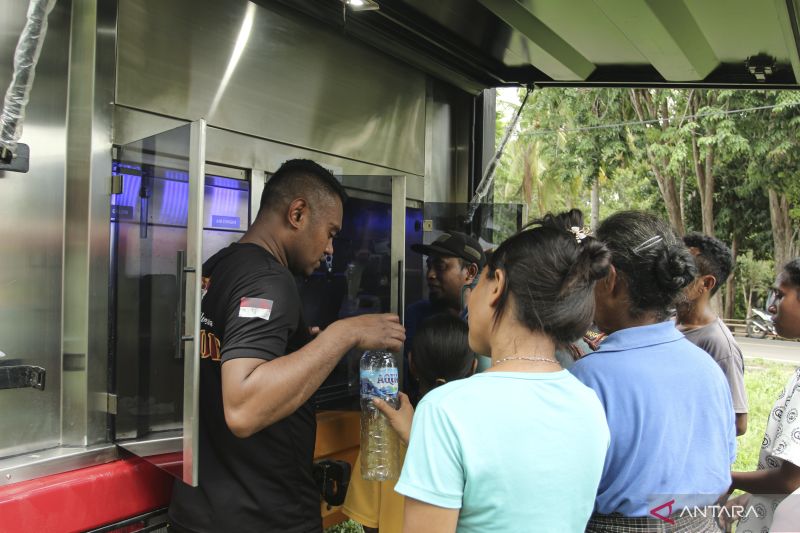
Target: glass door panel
x,y
156,255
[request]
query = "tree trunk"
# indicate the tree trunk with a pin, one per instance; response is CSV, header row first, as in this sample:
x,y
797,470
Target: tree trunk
x,y
730,290
671,200
749,303
682,197
782,231
595,203
704,172
744,298
646,109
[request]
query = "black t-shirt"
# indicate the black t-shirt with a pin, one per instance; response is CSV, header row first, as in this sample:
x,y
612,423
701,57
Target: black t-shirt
x,y
264,483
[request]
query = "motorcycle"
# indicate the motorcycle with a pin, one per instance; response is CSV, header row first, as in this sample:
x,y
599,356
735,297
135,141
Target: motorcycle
x,y
759,325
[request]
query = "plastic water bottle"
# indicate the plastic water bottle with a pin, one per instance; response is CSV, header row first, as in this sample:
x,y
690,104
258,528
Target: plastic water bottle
x,y
379,442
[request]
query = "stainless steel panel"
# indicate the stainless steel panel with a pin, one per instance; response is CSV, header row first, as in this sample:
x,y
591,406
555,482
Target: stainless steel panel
x,y
52,461
448,133
168,443
235,149
31,238
273,75
85,337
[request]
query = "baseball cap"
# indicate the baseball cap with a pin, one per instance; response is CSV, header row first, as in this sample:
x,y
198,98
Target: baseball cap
x,y
454,244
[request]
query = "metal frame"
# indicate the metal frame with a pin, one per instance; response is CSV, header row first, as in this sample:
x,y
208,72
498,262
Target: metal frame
x,y
194,266
53,461
258,179
397,298
86,232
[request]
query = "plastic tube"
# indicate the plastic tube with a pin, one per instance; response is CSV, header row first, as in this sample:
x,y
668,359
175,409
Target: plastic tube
x,y
26,55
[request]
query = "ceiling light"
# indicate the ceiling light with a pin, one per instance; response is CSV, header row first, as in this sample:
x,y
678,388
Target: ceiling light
x,y
361,5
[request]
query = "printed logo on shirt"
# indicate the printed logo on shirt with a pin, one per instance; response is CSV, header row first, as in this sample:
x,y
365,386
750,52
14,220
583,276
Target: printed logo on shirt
x,y
209,346
255,308
205,283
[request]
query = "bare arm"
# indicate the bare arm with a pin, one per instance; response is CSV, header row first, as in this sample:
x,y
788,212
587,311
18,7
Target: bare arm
x,y
741,424
257,393
424,517
783,480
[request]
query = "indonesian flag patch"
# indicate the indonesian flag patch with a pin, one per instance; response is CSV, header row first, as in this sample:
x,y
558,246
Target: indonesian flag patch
x,y
255,308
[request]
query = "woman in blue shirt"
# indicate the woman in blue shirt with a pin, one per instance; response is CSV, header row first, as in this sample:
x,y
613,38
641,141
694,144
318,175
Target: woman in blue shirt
x,y
521,446
667,402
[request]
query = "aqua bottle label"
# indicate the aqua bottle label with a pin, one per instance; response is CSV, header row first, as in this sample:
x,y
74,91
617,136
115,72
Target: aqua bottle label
x,y
379,383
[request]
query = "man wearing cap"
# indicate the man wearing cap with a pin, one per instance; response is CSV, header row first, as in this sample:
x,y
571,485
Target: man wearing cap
x,y
454,261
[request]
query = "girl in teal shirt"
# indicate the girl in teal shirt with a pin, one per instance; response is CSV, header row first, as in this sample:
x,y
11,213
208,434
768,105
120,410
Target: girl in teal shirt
x,y
521,446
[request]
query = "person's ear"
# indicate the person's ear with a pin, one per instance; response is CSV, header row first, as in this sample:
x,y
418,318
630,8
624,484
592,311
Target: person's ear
x,y
497,282
472,271
298,213
708,283
608,284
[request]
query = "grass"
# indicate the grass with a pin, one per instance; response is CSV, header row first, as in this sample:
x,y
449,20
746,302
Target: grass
x,y
764,380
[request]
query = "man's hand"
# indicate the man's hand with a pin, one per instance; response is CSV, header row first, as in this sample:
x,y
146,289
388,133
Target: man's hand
x,y
734,509
375,332
400,419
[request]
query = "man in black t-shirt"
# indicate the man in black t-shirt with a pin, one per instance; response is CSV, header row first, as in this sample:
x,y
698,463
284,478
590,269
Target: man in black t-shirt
x,y
260,365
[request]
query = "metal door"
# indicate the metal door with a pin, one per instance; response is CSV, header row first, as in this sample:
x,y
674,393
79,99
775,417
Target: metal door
x,y
156,259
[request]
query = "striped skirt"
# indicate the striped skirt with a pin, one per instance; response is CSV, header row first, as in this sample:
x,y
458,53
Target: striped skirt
x,y
620,524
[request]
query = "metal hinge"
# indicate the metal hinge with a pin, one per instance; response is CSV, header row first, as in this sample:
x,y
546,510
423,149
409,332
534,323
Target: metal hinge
x,y
22,377
111,404
116,183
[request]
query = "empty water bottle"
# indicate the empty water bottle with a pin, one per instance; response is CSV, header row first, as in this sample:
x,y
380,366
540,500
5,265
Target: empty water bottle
x,y
379,442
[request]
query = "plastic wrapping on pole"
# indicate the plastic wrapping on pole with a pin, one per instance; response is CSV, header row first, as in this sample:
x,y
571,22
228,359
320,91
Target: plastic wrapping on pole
x,y
26,55
488,175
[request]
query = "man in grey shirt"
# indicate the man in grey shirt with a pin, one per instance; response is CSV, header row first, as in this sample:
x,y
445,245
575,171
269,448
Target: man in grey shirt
x,y
701,325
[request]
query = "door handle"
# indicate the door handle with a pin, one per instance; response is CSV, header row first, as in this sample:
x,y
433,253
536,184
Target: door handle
x,y
180,303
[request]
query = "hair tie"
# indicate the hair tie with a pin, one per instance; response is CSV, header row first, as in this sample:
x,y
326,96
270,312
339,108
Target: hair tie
x,y
580,233
649,243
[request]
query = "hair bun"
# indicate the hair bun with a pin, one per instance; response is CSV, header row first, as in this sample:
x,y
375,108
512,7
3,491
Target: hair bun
x,y
562,221
674,267
592,264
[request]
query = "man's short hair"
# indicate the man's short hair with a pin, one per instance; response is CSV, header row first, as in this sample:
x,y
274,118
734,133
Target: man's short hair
x,y
299,178
715,257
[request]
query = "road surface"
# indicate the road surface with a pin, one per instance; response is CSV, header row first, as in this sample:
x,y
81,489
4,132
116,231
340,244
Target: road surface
x,y
772,350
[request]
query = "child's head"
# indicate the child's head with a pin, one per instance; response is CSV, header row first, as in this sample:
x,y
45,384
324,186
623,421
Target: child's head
x,y
786,304
440,351
542,277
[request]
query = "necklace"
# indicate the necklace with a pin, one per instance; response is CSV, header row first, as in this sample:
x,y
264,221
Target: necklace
x,y
525,358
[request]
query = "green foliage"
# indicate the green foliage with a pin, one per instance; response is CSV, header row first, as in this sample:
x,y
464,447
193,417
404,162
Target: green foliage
x,y
763,381
754,276
690,154
349,526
